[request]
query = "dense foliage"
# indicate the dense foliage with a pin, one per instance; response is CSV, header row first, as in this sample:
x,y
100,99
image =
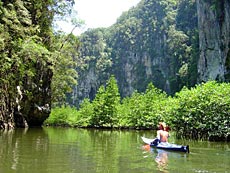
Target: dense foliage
x,y
202,112
65,60
156,41
31,56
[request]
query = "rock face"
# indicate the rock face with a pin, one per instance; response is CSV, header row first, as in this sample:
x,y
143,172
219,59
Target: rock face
x,y
133,69
36,108
27,110
87,86
25,73
149,43
214,40
152,43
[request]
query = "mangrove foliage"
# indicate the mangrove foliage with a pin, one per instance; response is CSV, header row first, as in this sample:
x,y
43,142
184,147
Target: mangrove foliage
x,y
202,112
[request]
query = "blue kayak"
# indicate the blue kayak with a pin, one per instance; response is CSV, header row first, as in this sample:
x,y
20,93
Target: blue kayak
x,y
166,145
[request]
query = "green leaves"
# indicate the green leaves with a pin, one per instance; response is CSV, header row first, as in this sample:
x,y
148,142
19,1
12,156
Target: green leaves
x,y
27,59
64,63
103,110
105,104
143,110
203,111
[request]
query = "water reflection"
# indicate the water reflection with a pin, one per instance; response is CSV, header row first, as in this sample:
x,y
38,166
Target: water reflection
x,y
160,157
21,149
162,160
54,150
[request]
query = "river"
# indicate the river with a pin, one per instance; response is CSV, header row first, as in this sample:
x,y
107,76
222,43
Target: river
x,y
69,150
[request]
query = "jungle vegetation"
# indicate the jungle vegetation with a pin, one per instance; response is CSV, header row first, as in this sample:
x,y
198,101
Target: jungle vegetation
x,y
201,112
34,59
156,41
39,65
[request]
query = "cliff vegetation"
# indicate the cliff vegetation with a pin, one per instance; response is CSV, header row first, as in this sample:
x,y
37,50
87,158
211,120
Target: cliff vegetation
x,y
163,60
171,43
36,64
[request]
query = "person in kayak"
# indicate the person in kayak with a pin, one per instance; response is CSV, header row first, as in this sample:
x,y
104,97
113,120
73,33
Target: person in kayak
x,y
162,134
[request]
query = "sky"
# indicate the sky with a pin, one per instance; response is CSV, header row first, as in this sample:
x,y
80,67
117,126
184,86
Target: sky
x,y
98,13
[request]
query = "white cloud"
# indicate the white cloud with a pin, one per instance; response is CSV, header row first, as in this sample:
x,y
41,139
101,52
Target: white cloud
x,y
102,13
99,13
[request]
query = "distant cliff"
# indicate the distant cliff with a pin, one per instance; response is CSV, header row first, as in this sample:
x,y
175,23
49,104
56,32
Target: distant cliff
x,y
161,42
214,36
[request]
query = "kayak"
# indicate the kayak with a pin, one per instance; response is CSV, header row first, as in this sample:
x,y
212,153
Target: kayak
x,y
166,145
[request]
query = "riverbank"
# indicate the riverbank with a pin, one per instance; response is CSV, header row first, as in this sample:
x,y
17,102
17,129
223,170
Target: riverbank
x,y
201,112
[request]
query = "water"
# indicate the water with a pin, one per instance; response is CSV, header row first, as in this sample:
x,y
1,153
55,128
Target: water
x,y
67,150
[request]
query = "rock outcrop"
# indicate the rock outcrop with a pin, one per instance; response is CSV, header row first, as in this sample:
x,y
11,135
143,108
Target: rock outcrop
x,y
170,45
148,44
214,40
25,72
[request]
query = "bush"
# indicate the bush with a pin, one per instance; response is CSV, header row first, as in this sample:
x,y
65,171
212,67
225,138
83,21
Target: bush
x,y
86,113
62,116
143,110
203,112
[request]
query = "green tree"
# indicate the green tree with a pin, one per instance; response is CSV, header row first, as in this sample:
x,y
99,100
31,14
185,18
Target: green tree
x,y
112,101
131,111
64,68
86,113
105,104
144,110
26,60
97,118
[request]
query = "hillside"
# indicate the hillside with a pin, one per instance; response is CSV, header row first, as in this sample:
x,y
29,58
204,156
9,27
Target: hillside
x,y
171,43
156,41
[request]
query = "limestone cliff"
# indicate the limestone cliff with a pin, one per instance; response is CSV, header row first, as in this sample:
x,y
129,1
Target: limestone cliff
x,y
214,36
171,44
29,104
25,60
149,43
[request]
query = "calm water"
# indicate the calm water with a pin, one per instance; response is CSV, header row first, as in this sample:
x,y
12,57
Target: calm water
x,y
60,150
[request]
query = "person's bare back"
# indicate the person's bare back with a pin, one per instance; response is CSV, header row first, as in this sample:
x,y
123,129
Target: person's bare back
x,y
164,136
162,132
